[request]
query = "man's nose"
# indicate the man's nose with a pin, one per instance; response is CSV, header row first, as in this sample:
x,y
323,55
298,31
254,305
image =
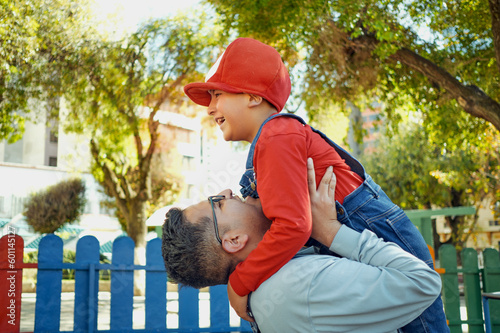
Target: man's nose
x,y
227,193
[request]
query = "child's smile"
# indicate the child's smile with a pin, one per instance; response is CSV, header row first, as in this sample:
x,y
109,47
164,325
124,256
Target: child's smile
x,y
220,120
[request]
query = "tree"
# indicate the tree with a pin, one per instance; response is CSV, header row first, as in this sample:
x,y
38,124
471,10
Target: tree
x,y
417,173
61,203
438,57
114,90
35,36
166,184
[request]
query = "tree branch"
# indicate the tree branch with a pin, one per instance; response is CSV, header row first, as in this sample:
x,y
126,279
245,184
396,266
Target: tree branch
x,y
472,99
110,183
145,162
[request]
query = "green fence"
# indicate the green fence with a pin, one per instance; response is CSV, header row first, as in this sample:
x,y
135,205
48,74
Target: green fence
x,y
475,280
422,218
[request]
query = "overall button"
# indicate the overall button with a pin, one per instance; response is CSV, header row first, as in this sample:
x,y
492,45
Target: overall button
x,y
341,211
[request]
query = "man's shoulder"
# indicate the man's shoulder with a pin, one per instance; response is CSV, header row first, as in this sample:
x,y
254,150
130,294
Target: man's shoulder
x,y
302,267
286,298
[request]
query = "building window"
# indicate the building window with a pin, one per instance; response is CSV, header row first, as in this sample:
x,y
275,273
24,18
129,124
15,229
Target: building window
x,y
188,163
53,161
53,137
191,191
494,223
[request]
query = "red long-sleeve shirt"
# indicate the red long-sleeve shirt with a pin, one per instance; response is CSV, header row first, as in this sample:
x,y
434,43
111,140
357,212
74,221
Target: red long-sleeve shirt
x,y
280,165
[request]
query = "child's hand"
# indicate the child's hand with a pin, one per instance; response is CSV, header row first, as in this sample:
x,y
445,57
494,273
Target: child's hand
x,y
324,212
238,303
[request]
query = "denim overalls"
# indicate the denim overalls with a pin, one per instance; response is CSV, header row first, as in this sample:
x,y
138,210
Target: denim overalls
x,y
368,207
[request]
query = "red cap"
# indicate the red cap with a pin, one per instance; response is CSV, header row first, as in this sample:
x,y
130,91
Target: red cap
x,y
246,66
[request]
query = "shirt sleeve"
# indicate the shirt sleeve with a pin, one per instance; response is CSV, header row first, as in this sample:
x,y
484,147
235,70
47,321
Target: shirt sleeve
x,y
280,163
377,288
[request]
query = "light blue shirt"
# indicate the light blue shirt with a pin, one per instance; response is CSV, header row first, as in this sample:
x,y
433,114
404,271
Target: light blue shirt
x,y
376,287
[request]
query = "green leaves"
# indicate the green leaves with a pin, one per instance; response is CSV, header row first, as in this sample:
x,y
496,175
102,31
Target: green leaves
x,y
417,172
114,91
36,37
110,90
62,203
352,51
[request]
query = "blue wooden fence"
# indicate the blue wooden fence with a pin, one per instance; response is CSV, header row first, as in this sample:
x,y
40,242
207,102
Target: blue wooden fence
x,y
87,266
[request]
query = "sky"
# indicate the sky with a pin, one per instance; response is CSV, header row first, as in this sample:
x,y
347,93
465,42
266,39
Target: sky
x,y
123,15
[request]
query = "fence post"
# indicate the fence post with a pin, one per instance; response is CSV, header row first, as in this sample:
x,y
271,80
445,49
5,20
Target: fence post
x,y
219,308
156,287
49,284
11,281
122,284
189,309
451,294
86,284
472,291
491,279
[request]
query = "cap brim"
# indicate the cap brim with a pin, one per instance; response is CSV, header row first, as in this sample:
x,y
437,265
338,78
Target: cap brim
x,y
198,91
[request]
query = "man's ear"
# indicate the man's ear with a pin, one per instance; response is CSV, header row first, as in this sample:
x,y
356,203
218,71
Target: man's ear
x,y
254,100
233,242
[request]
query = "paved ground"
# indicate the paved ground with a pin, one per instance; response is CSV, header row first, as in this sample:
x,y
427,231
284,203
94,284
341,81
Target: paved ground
x,y
67,306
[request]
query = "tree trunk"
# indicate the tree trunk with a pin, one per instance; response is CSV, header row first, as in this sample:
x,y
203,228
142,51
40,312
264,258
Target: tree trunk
x,y
136,222
355,134
495,27
137,230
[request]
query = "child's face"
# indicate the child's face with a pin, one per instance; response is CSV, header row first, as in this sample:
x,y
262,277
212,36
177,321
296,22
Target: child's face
x,y
230,112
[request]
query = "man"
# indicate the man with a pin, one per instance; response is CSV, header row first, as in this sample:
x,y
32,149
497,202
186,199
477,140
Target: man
x,y
375,287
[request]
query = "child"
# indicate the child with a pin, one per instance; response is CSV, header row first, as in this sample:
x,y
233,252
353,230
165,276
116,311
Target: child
x,y
244,91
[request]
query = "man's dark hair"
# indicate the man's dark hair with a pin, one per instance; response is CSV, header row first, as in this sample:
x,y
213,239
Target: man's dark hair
x,y
191,257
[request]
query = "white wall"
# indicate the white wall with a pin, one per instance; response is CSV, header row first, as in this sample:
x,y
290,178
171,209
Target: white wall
x,y
19,181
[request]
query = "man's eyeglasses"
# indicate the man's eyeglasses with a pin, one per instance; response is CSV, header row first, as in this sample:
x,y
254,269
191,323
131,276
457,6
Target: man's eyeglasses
x,y
214,199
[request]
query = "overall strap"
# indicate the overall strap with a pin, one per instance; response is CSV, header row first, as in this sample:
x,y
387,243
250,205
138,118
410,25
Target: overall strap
x,y
248,182
249,164
353,163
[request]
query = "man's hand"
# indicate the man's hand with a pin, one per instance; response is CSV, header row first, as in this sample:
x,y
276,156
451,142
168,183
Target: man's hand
x,y
324,213
238,303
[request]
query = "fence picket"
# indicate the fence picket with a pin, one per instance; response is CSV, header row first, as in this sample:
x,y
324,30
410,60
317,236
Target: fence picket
x,y
472,290
450,293
86,284
50,265
156,287
491,280
189,310
122,284
49,284
219,308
